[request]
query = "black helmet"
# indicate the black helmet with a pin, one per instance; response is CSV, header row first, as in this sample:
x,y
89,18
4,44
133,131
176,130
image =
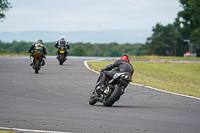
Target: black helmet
x,y
40,41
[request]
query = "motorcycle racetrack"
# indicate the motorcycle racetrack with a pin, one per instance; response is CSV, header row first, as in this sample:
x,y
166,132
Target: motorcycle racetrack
x,y
56,100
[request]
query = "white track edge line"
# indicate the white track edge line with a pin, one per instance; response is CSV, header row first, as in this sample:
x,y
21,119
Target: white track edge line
x,y
28,130
86,65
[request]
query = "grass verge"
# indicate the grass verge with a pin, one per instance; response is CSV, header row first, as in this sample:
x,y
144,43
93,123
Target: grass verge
x,y
7,131
3,131
182,78
14,54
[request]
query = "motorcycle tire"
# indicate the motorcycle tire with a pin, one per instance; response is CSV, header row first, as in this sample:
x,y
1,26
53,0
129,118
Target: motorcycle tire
x,y
92,101
37,66
108,102
61,59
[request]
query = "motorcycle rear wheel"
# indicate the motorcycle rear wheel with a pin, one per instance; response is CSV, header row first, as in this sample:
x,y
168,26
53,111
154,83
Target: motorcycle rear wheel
x,y
108,102
92,101
37,66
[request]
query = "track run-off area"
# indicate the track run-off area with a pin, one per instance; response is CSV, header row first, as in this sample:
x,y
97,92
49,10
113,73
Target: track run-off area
x,y
56,100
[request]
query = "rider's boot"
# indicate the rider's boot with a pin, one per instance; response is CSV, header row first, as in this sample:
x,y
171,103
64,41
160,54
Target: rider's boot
x,y
103,81
43,61
57,55
103,87
31,61
100,89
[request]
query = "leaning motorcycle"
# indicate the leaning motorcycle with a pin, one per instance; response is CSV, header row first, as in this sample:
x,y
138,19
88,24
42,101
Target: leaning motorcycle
x,y
37,61
61,54
115,88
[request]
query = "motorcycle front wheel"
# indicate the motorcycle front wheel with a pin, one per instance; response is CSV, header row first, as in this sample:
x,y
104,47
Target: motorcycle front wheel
x,y
92,99
61,60
109,101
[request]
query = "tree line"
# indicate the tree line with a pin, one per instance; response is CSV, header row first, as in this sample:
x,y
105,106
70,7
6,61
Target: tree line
x,y
168,40
78,49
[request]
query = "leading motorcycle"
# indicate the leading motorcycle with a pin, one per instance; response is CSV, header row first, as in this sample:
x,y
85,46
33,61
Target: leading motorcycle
x,y
114,89
62,53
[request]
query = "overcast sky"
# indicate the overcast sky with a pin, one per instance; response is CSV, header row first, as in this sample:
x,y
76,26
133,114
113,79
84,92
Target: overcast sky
x,y
88,15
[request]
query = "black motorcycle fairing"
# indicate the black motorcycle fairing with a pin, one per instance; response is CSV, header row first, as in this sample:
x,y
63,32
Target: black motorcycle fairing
x,y
114,89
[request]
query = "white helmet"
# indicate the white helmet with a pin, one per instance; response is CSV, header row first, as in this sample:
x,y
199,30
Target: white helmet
x,y
62,38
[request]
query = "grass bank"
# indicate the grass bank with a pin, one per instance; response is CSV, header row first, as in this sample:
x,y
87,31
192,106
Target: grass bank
x,y
7,131
10,130
14,54
3,131
182,78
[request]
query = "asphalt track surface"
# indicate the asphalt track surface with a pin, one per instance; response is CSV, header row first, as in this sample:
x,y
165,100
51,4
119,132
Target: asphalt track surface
x,y
56,99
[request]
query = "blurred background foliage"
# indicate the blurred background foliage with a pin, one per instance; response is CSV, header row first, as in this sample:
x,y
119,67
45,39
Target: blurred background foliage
x,y
77,49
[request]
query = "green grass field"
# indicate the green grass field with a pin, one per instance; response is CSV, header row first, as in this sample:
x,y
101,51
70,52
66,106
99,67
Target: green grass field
x,y
183,78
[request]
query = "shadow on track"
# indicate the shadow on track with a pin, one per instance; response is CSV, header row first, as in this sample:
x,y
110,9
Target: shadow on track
x,y
121,106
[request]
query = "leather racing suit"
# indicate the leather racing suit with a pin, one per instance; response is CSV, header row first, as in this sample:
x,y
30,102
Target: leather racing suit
x,y
58,43
32,49
121,65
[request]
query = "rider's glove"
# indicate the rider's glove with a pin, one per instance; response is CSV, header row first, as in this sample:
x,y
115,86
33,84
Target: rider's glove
x,y
29,51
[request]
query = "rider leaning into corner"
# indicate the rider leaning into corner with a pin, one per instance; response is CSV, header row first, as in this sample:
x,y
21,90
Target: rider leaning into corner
x,y
32,48
123,66
62,40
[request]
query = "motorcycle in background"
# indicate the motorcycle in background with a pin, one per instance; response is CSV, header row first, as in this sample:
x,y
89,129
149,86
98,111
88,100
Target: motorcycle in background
x,y
62,53
37,61
38,58
115,88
